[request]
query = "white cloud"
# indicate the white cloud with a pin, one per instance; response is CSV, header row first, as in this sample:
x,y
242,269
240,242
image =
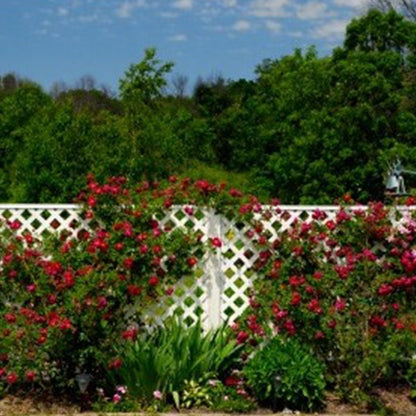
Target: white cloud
x,y
268,8
183,4
180,37
355,4
126,8
229,3
88,18
295,34
169,15
241,26
62,11
312,10
273,26
333,29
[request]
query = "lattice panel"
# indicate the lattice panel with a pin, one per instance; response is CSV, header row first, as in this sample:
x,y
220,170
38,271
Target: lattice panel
x,y
219,290
190,297
41,220
281,218
238,257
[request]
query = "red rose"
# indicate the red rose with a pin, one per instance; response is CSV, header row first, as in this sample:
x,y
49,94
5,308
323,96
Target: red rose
x,y
192,261
15,225
296,298
385,289
10,318
143,249
11,378
235,193
65,324
119,246
241,337
101,302
115,364
332,324
128,263
91,201
129,334
153,281
30,376
133,290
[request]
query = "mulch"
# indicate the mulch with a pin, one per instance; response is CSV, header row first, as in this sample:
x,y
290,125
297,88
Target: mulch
x,y
396,402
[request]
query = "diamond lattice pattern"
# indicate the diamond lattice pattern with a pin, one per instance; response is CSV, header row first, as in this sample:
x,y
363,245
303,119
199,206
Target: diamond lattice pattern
x,y
220,288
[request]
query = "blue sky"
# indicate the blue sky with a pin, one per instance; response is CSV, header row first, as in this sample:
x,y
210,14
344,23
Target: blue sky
x,y
61,40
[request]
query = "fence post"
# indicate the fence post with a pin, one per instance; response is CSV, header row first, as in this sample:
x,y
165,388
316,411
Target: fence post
x,y
213,271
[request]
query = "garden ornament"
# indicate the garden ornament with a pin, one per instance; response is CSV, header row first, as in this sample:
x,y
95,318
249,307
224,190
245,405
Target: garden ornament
x,y
395,181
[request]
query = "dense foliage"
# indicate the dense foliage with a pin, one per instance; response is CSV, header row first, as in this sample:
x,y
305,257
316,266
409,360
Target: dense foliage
x,y
345,287
173,359
306,129
67,301
332,302
286,375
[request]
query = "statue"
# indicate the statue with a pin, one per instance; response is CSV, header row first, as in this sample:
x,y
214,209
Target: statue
x,y
395,181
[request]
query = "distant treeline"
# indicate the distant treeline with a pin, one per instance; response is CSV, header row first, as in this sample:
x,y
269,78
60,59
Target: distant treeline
x,y
306,130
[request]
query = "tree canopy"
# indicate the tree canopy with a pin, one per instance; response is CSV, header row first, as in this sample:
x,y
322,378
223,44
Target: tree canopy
x,y
307,129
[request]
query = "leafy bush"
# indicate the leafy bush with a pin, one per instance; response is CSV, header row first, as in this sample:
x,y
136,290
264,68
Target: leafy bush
x,y
171,356
343,286
284,374
67,301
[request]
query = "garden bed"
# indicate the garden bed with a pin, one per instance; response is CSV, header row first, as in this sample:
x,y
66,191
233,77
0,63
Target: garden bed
x,y
332,307
396,402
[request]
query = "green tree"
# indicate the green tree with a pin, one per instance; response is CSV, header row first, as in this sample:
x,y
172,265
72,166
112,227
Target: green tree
x,y
17,109
340,120
143,82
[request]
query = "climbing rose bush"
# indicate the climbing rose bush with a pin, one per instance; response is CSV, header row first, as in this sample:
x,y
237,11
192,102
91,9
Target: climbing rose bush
x,y
344,286
66,301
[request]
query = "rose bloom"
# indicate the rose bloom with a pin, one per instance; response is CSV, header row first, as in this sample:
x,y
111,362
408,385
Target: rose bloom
x,y
241,337
11,378
30,376
216,242
153,281
115,364
192,261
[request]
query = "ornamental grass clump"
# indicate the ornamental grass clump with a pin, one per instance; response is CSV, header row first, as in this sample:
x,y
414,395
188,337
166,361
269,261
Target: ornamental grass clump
x,y
171,356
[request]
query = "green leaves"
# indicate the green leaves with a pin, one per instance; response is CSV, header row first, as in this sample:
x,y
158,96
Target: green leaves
x,y
165,359
284,374
144,81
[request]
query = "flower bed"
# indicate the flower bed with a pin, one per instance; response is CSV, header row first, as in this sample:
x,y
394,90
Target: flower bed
x,y
336,295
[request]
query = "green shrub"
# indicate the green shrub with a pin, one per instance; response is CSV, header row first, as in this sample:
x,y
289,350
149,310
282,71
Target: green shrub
x,y
284,374
344,286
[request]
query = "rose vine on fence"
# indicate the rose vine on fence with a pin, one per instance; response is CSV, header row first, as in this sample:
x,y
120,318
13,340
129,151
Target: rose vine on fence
x,y
343,287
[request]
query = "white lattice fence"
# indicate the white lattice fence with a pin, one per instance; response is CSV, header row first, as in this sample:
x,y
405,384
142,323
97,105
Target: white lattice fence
x,y
43,219
219,290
